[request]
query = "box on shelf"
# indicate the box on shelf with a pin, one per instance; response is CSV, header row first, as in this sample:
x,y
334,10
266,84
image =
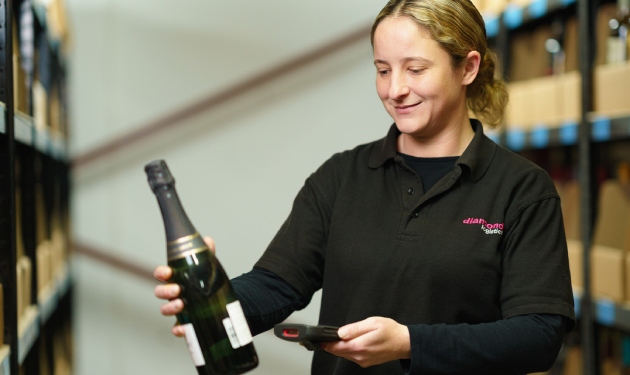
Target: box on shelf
x,y
27,274
571,44
608,272
536,101
571,97
43,266
610,242
518,113
576,263
528,56
612,89
40,105
569,199
19,278
495,7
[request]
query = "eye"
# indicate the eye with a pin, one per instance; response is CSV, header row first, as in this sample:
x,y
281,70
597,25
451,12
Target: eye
x,y
383,72
416,70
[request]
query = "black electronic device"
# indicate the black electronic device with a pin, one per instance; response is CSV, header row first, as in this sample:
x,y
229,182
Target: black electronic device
x,y
309,336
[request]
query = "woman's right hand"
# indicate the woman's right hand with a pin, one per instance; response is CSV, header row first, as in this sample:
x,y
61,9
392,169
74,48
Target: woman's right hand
x,y
171,291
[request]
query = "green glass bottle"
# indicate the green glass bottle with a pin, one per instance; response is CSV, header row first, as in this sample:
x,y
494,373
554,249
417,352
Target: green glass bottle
x,y
217,333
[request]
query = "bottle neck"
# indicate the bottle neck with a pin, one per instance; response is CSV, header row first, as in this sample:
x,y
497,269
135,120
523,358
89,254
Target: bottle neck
x,y
176,223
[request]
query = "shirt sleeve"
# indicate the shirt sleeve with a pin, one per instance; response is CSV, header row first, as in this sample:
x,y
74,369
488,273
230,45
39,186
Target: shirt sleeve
x,y
266,299
535,264
519,345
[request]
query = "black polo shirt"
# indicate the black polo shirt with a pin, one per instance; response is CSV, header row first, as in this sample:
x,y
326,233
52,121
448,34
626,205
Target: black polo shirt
x,y
485,243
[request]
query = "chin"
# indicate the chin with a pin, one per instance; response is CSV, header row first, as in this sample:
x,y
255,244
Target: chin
x,y
407,126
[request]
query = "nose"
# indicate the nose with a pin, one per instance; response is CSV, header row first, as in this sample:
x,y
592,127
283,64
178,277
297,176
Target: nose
x,y
398,87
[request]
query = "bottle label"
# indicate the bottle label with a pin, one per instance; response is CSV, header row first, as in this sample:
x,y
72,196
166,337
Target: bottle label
x,y
235,311
193,345
229,328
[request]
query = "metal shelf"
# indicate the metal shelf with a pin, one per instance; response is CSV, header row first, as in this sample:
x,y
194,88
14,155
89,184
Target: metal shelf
x,y
45,141
28,331
604,129
607,312
5,365
36,316
515,16
49,298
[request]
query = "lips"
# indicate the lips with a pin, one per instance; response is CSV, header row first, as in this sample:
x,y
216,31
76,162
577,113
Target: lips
x,y
404,109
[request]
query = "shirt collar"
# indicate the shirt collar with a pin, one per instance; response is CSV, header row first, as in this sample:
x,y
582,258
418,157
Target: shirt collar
x,y
477,156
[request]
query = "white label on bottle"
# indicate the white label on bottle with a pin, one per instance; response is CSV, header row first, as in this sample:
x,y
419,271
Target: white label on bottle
x,y
229,328
239,322
193,345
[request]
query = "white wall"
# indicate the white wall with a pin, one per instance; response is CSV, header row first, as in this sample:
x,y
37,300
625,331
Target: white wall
x,y
237,167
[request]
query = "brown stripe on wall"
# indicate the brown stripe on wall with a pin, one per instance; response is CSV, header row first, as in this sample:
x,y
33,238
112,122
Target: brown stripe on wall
x,y
231,93
121,264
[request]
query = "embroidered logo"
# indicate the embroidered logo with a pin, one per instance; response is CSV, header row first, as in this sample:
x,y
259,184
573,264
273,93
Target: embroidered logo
x,y
488,228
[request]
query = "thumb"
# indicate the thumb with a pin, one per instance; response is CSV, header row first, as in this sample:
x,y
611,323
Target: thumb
x,y
210,242
354,330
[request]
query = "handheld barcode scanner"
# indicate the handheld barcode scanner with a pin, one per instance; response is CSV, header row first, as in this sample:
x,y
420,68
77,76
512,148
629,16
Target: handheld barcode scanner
x,y
309,336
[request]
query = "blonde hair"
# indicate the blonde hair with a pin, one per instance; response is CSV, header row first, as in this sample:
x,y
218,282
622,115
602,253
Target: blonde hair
x,y
459,28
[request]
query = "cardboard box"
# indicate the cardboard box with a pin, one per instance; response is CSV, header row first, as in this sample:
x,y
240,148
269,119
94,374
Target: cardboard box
x,y
571,97
612,89
27,281
546,103
495,7
608,272
576,263
518,112
612,219
40,105
536,102
610,242
19,278
574,362
521,51
43,266
570,203
571,45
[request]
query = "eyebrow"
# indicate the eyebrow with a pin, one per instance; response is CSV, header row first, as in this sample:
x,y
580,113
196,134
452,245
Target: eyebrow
x,y
407,59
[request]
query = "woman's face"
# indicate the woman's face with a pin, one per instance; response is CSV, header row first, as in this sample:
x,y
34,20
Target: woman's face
x,y
416,81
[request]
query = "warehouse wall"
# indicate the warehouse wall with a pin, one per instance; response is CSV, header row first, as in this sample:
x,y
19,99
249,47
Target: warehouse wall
x,y
237,167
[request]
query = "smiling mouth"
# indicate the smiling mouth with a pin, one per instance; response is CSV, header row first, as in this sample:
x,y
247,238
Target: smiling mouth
x,y
406,108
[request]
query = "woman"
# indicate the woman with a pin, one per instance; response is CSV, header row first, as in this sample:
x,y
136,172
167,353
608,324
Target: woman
x,y
437,251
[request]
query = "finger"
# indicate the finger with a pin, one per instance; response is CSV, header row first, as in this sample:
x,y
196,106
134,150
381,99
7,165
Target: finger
x,y
210,242
163,273
354,330
168,291
178,331
173,307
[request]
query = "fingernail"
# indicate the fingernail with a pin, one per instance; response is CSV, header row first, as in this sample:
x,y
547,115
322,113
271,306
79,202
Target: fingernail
x,y
343,332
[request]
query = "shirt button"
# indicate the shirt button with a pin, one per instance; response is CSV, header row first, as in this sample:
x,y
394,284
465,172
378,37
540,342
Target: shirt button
x,y
410,191
415,214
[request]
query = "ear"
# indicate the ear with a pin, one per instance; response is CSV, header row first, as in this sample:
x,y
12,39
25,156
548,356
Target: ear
x,y
471,67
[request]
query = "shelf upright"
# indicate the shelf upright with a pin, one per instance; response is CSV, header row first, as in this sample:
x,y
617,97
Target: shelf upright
x,y
7,187
586,11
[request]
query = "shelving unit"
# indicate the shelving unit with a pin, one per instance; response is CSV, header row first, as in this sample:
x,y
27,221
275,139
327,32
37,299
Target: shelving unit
x,y
577,141
603,129
33,166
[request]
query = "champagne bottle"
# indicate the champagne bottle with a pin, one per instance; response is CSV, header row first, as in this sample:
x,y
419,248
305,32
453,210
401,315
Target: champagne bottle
x,y
617,44
217,334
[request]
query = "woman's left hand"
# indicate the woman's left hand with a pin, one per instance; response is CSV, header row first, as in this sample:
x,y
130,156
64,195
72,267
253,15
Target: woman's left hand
x,y
372,341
